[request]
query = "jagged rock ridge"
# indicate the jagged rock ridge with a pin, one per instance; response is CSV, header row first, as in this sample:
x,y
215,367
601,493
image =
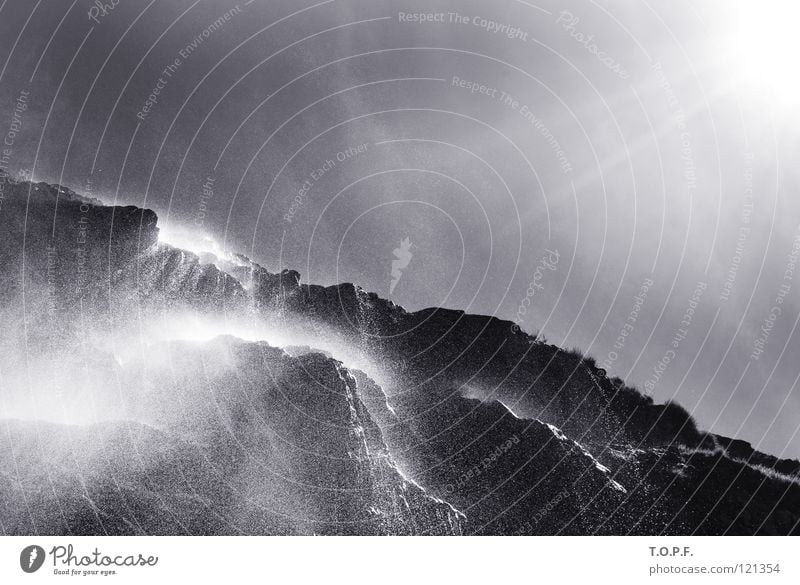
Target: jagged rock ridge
x,y
458,423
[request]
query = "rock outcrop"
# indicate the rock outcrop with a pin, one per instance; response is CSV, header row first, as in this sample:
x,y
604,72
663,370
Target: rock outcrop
x,y
318,410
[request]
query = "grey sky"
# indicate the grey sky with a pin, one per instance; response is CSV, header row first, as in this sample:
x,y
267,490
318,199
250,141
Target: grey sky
x,y
344,128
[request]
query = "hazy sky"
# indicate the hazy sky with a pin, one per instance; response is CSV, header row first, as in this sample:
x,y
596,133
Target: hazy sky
x,y
643,145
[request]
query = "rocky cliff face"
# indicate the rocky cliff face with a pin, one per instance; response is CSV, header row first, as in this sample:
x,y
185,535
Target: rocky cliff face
x,y
225,437
149,390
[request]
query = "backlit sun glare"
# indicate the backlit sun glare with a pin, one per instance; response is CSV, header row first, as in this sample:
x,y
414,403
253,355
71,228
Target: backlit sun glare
x,y
764,46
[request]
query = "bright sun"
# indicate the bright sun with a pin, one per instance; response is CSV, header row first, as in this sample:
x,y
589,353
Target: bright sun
x,y
765,41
